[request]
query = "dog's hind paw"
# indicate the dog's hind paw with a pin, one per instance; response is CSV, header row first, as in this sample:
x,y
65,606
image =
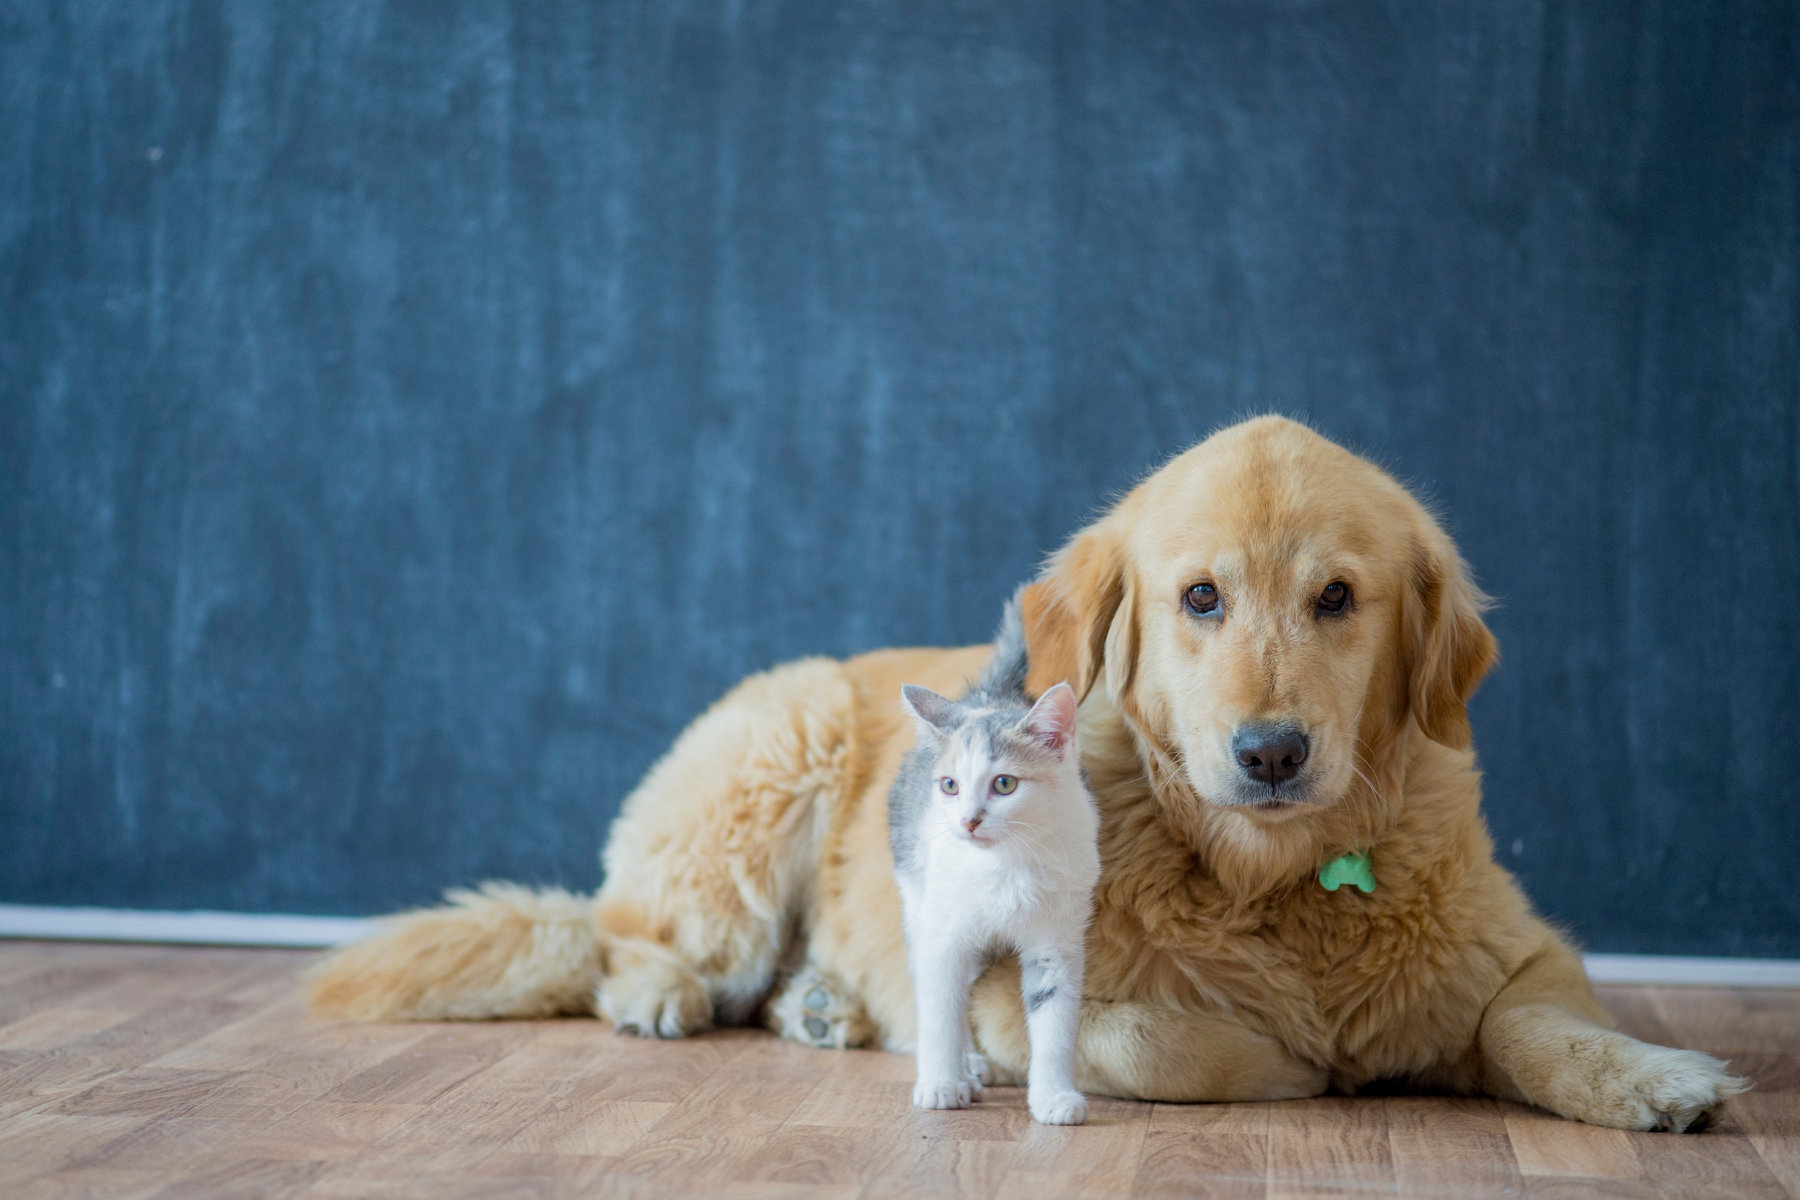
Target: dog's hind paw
x,y
816,1009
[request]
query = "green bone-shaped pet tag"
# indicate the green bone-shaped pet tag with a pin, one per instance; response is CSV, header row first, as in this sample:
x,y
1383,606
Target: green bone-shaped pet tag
x,y
1348,868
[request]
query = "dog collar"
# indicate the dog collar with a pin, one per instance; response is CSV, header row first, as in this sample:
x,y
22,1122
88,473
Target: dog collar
x,y
1353,868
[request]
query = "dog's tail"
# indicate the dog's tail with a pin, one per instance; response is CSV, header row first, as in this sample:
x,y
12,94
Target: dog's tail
x,y
502,951
1002,680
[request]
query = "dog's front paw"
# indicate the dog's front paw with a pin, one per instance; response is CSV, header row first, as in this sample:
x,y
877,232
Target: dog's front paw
x,y
977,1068
1676,1091
1066,1107
942,1093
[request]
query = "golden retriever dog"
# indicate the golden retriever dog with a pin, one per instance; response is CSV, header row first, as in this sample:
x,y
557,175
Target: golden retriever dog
x,y
1275,644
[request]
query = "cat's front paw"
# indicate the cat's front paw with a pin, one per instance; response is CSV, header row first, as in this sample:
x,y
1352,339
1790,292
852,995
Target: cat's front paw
x,y
944,1093
1059,1108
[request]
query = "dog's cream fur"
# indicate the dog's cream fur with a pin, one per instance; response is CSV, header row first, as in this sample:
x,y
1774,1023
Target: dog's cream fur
x,y
1218,969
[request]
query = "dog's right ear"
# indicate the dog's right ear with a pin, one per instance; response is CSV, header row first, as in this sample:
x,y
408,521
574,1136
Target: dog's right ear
x,y
1069,610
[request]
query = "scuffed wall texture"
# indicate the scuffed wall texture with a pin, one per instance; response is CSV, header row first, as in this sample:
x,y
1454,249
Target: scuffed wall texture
x,y
412,414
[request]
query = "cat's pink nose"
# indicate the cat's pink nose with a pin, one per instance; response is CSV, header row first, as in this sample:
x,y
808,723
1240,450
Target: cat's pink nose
x,y
969,823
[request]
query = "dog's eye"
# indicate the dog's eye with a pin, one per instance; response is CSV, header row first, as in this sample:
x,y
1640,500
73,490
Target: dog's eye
x,y
1335,596
1201,599
1005,785
948,785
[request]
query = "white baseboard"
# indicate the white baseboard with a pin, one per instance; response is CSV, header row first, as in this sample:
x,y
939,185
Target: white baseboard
x,y
271,929
1710,972
184,928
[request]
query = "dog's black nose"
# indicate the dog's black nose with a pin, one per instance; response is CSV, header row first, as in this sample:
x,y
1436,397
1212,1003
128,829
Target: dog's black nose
x,y
1269,752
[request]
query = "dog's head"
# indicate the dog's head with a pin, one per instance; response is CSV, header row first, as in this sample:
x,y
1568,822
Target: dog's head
x,y
1270,614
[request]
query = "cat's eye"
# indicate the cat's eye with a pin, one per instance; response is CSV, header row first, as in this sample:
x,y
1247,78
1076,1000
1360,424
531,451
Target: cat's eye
x,y
1201,599
948,785
1005,785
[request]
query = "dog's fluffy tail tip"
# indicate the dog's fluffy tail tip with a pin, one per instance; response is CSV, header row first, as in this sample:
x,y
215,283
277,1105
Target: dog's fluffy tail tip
x,y
499,951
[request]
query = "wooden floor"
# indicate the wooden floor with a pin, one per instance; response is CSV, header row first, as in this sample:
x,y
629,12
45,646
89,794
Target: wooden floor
x,y
148,1071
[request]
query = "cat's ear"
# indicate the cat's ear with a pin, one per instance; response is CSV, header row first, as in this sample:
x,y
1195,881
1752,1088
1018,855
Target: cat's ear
x,y
1051,720
935,715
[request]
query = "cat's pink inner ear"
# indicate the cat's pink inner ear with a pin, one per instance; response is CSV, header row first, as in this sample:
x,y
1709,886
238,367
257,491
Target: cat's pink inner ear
x,y
1052,718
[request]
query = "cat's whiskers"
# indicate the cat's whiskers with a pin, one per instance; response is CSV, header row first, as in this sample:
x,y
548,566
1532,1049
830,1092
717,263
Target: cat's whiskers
x,y
1031,845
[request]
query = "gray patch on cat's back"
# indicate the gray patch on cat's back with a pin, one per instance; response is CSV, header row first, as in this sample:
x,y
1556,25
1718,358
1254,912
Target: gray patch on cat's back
x,y
1040,998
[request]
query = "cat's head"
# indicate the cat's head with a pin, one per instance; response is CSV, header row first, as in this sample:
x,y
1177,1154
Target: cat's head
x,y
989,763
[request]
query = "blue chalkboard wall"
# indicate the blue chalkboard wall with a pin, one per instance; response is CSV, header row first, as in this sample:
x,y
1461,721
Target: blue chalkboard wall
x,y
411,414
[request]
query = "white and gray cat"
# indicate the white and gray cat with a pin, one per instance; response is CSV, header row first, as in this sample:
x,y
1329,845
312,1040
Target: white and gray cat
x,y
994,837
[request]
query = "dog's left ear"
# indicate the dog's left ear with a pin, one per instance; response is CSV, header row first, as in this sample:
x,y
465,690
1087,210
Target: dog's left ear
x,y
1450,646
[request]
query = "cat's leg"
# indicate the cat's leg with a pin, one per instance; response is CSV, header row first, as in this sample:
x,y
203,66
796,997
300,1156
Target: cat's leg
x,y
1050,984
976,1072
942,971
715,852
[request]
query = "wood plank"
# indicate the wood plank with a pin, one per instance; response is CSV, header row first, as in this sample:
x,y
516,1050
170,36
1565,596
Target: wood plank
x,y
409,1176
546,1095
642,1069
56,983
51,1028
1562,1187
38,1144
819,1157
324,1131
862,1089
941,1164
1224,1145
1099,1158
1710,1163
1727,1021
1772,1123
172,1002
274,1179
429,1067
1334,1143
750,1096
1452,1146
1549,1147
146,1091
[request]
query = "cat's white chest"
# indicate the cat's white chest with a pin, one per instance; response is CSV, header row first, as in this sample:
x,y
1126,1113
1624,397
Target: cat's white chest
x,y
986,880
977,892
